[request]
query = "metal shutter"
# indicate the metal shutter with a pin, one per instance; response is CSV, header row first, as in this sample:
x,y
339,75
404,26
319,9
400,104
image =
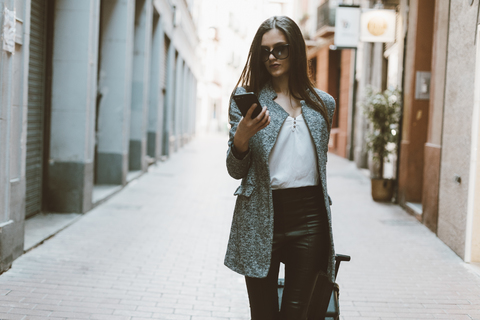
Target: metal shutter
x,y
36,107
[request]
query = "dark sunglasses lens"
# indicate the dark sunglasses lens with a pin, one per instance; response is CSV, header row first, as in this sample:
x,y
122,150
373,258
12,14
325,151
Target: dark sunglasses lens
x,y
281,52
265,55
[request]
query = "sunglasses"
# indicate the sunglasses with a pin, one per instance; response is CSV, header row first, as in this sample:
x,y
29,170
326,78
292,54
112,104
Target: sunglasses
x,y
280,52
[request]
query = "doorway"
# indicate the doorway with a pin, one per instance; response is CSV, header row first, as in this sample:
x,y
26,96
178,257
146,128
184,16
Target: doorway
x,y
38,115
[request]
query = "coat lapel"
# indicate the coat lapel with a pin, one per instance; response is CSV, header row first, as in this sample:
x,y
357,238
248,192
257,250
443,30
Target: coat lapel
x,y
278,115
316,124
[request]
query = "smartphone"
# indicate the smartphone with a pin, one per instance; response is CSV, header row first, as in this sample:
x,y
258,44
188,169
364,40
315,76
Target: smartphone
x,y
245,100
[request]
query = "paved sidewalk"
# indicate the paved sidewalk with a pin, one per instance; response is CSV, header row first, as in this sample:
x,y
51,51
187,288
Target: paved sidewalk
x,y
399,268
155,250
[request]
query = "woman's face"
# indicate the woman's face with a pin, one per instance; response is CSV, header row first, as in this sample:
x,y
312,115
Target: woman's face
x,y
272,39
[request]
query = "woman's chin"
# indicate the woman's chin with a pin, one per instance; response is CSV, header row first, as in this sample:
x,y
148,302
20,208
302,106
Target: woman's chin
x,y
277,73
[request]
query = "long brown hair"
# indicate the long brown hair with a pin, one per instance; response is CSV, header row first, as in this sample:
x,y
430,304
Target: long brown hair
x,y
255,75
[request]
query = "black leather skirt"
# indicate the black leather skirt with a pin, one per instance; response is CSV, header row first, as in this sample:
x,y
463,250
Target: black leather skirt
x,y
298,212
301,241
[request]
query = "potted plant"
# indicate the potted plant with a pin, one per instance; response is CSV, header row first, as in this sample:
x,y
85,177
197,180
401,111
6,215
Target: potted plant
x,y
383,111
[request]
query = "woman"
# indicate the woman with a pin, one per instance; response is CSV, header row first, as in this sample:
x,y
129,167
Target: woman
x,y
281,213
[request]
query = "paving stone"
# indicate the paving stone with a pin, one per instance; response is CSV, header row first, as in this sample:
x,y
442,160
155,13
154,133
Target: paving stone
x,y
395,259
155,251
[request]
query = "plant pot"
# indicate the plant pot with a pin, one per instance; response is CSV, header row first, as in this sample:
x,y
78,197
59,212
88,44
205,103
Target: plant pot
x,y
382,189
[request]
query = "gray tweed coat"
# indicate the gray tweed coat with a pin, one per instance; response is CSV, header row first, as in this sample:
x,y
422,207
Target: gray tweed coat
x,y
250,244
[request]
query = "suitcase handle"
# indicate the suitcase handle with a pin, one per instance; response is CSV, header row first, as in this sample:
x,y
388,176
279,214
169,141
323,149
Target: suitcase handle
x,y
339,258
342,257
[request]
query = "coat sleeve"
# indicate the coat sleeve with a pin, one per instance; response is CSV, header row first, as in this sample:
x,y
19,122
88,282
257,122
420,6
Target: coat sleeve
x,y
237,168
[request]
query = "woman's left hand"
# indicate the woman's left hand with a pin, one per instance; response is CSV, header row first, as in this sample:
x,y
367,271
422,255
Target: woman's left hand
x,y
248,127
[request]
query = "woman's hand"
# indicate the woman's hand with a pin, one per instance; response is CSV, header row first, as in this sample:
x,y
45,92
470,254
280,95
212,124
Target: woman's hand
x,y
248,127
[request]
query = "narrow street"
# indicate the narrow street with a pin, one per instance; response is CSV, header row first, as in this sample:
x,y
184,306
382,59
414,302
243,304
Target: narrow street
x,y
155,251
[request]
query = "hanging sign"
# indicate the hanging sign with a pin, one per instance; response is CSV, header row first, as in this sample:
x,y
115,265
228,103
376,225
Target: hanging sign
x,y
377,25
9,30
347,31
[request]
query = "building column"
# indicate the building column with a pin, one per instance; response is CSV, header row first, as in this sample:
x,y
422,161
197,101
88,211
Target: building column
x,y
344,102
352,107
433,146
140,85
194,107
379,67
115,88
74,82
327,79
360,154
415,111
185,104
472,234
155,111
13,130
169,99
378,81
178,102
191,105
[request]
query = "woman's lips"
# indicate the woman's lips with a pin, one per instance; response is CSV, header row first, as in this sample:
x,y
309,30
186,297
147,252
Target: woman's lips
x,y
275,65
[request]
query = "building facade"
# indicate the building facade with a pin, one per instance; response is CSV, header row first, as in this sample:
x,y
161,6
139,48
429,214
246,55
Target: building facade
x,y
93,92
434,61
346,72
438,170
331,70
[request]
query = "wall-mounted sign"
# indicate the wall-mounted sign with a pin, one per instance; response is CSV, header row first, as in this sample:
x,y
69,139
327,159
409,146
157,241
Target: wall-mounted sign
x,y
347,21
9,30
377,25
422,85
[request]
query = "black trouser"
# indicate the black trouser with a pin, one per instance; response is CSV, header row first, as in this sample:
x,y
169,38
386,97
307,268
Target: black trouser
x,y
300,241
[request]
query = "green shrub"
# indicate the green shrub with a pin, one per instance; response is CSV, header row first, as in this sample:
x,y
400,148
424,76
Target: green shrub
x,y
383,111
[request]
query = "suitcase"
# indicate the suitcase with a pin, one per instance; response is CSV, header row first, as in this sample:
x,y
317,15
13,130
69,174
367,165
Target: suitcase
x,y
324,304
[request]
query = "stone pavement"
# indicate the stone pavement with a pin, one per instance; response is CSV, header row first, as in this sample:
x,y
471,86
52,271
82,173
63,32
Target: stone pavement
x,y
399,268
155,251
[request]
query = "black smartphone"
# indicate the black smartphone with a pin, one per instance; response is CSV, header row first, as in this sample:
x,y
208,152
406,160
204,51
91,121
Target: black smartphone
x,y
245,100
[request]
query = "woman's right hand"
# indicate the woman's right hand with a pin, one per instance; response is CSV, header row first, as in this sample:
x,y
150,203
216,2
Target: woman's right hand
x,y
248,127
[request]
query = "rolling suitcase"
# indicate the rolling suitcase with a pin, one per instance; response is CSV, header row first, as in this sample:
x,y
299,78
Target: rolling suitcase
x,y
324,304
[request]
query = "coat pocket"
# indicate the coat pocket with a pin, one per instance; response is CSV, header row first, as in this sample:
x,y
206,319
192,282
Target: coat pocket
x,y
244,190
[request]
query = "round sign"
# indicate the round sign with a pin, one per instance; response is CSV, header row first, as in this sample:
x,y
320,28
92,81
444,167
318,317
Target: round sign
x,y
377,26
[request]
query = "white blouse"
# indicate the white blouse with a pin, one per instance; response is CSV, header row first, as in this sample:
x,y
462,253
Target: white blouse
x,y
293,160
